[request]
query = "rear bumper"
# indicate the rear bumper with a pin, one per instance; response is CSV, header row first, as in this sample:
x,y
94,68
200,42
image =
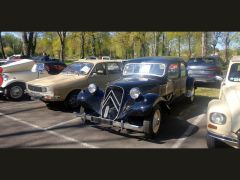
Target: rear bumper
x,y
111,123
1,90
205,79
229,140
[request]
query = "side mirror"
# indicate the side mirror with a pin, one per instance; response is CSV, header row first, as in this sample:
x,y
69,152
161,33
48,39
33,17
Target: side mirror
x,y
94,74
219,78
100,72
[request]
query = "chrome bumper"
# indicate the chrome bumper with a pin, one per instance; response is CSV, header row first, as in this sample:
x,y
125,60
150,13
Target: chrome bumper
x,y
111,123
232,141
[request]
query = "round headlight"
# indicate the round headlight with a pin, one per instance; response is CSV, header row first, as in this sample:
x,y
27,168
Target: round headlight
x,y
92,88
217,118
135,93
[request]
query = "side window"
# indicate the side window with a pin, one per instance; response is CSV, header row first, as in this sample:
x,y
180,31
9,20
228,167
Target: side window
x,y
183,70
100,69
113,68
173,71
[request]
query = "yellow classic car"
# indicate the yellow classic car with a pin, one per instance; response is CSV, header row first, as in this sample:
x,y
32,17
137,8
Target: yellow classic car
x,y
223,114
65,86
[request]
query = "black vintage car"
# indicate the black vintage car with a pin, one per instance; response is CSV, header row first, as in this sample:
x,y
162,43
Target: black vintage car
x,y
137,100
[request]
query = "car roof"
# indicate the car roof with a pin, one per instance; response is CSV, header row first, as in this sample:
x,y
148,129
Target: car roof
x,y
96,61
235,59
160,59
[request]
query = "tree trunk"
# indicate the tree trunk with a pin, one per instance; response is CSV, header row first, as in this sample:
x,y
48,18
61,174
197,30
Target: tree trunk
x,y
34,44
157,43
62,36
82,54
29,43
1,43
179,46
204,44
93,45
163,44
189,45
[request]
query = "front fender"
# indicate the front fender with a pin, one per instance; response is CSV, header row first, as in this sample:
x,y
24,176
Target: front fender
x,y
141,107
190,83
219,106
90,101
11,81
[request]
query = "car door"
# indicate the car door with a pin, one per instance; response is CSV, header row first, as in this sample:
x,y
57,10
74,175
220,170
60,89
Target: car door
x,y
98,76
183,77
113,71
174,78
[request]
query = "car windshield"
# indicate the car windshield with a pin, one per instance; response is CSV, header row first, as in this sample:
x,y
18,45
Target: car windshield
x,y
154,69
201,61
234,74
78,68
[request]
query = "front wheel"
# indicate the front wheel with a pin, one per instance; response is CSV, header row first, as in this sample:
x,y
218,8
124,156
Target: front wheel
x,y
71,101
15,91
151,126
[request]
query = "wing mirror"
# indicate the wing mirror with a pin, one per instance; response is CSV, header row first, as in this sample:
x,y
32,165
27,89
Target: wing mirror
x,y
100,72
219,78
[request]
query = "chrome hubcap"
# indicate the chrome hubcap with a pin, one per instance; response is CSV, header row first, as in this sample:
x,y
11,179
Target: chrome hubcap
x,y
16,92
156,121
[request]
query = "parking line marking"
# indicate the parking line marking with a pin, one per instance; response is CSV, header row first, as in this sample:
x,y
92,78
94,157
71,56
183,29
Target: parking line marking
x,y
179,142
62,123
6,107
83,144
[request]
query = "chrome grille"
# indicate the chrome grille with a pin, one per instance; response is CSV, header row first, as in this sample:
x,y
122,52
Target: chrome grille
x,y
112,102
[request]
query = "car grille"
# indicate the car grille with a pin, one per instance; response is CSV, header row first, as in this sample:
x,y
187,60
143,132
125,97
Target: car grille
x,y
34,88
112,102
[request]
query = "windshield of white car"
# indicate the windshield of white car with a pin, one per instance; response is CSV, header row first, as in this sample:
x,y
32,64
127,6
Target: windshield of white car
x,y
78,68
234,74
154,69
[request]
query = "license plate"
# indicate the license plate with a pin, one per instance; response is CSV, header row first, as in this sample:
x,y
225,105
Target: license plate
x,y
106,112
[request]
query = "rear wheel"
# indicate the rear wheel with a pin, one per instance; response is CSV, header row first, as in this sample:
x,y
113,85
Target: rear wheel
x,y
151,126
15,91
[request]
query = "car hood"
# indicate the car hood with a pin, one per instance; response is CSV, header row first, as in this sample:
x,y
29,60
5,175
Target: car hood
x,y
144,83
232,96
55,80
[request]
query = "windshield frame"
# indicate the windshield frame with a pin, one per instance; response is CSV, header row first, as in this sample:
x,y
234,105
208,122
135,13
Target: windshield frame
x,y
230,72
141,74
68,72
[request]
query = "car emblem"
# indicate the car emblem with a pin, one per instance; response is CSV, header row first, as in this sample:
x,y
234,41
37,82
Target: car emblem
x,y
110,99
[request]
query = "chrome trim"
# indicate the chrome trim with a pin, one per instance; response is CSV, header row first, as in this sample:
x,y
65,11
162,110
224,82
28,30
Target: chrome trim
x,y
223,138
113,123
112,100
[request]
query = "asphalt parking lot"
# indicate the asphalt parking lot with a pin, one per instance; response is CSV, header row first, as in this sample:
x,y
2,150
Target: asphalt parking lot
x,y
31,124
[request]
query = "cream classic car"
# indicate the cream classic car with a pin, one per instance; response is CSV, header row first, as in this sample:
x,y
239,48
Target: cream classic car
x,y
13,76
223,115
65,86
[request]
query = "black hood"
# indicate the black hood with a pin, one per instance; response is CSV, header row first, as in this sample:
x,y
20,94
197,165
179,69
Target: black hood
x,y
144,83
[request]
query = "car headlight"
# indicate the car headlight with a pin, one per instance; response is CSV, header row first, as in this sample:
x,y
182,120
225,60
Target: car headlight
x,y
92,88
217,118
5,77
44,89
135,93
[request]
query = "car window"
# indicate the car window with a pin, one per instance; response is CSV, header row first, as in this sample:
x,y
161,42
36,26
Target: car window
x,y
183,70
100,69
113,68
201,61
234,74
173,71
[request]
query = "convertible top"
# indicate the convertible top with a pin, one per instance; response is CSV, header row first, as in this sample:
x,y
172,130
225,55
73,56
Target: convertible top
x,y
160,59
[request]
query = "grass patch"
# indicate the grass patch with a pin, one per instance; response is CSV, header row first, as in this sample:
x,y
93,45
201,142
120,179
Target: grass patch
x,y
209,92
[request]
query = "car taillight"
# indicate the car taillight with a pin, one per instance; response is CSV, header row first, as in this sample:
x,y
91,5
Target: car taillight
x,y
1,79
1,70
212,68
